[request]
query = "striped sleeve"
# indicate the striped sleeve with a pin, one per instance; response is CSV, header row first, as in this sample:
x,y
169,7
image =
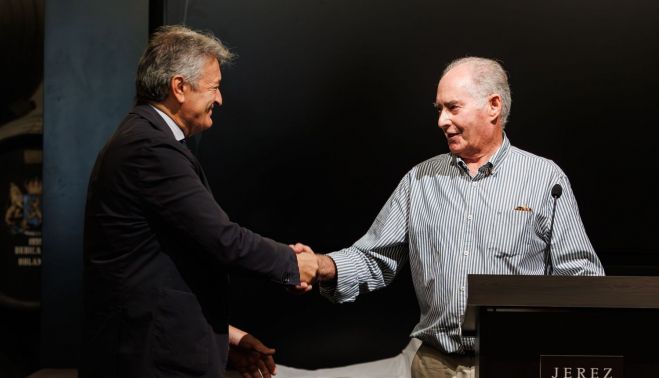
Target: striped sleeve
x,y
572,252
375,259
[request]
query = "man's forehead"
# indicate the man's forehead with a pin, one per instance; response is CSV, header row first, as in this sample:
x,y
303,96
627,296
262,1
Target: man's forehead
x,y
214,76
455,81
458,74
212,68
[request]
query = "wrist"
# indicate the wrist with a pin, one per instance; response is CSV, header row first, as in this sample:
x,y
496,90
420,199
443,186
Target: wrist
x,y
326,268
235,335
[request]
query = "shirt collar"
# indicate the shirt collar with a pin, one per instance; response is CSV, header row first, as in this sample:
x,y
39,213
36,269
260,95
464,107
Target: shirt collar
x,y
501,153
178,133
491,166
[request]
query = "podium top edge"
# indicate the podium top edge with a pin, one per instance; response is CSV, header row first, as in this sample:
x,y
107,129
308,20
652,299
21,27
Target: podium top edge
x,y
563,291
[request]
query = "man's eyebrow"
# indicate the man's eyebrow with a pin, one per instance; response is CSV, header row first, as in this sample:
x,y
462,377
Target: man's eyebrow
x,y
447,104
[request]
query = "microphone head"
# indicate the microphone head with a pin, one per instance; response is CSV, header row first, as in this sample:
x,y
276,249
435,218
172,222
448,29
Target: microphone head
x,y
556,191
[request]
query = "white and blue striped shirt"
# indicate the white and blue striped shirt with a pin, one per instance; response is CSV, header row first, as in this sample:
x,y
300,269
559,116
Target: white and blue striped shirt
x,y
447,225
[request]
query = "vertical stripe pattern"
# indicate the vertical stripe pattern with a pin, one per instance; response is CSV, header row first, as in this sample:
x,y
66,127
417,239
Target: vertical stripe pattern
x,y
447,224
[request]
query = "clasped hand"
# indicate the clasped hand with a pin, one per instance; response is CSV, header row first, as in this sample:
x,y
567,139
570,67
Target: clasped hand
x,y
249,356
307,262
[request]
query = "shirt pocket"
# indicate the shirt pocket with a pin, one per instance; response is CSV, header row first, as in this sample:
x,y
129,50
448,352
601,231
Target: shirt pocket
x,y
511,233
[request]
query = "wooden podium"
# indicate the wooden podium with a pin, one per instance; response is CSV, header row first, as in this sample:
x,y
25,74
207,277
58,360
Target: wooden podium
x,y
584,323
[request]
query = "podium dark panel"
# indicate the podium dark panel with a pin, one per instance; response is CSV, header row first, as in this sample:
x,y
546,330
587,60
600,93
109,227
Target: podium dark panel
x,y
512,340
517,319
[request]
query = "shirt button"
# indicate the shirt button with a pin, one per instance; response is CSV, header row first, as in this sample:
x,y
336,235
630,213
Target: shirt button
x,y
469,216
466,253
462,288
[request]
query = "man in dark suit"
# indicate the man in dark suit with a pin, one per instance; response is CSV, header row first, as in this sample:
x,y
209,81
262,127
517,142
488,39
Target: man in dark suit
x,y
158,247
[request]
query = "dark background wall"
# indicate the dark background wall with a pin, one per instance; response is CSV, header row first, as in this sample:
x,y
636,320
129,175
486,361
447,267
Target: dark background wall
x,y
327,107
91,50
21,110
329,104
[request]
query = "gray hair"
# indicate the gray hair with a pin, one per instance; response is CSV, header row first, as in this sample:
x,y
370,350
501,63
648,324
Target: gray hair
x,y
175,50
489,78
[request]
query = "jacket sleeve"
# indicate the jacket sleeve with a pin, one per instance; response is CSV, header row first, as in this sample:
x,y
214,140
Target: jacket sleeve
x,y
174,194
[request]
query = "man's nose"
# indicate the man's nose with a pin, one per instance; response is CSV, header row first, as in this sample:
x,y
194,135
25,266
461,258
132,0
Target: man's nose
x,y
444,119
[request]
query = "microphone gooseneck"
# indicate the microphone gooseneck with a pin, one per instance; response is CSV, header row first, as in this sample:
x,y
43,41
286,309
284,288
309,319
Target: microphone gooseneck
x,y
556,192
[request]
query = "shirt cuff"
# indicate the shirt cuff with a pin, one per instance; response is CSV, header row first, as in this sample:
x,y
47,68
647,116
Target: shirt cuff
x,y
344,288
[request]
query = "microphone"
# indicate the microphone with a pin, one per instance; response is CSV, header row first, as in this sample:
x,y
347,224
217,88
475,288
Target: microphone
x,y
556,192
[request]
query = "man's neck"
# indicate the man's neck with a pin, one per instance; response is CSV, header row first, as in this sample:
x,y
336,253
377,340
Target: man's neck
x,y
475,161
172,113
166,116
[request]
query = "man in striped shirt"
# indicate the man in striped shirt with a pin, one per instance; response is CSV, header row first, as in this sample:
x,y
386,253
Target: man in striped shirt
x,y
483,208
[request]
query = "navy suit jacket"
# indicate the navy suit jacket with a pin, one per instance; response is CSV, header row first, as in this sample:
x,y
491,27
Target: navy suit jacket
x,y
157,250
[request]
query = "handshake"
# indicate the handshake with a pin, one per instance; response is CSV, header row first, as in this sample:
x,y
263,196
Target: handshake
x,y
312,267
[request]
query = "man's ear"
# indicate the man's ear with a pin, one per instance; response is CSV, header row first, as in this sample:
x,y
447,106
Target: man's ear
x,y
494,107
176,87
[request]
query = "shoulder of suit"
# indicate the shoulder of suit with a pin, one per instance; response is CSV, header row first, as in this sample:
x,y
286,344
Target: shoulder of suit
x,y
143,123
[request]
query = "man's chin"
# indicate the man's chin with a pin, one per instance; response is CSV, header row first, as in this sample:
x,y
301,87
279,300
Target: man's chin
x,y
455,148
199,129
206,125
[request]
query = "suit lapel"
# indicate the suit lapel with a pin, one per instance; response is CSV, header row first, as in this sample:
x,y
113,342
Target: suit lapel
x,y
147,112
